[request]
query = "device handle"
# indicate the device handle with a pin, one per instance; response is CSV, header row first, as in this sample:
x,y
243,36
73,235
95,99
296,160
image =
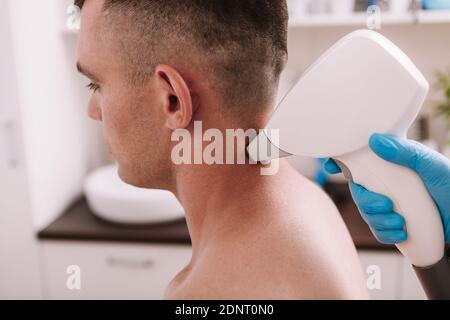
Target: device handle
x,y
425,245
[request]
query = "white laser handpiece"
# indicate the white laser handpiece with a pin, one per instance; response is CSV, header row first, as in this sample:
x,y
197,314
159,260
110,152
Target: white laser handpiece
x,y
364,84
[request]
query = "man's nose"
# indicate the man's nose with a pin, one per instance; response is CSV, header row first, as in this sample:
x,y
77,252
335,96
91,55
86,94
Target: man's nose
x,y
94,112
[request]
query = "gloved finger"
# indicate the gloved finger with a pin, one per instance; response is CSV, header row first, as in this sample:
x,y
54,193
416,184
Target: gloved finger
x,y
411,154
331,167
391,236
384,221
432,167
370,202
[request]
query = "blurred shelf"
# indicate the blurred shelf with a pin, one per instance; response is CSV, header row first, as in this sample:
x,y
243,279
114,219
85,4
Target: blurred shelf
x,y
434,16
360,19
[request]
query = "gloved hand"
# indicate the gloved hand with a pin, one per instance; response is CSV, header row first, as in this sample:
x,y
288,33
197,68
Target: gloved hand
x,y
377,210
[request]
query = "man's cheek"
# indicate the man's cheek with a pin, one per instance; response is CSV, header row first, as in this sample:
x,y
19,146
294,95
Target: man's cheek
x,y
106,139
109,132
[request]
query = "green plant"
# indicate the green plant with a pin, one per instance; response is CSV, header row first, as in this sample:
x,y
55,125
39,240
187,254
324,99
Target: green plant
x,y
443,85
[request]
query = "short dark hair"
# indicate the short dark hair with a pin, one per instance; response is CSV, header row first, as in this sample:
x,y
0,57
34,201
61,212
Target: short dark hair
x,y
241,45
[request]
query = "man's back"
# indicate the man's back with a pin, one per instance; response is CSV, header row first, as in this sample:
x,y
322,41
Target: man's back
x,y
286,240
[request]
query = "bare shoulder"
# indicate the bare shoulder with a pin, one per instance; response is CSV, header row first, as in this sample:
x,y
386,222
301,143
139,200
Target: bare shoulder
x,y
313,242
291,244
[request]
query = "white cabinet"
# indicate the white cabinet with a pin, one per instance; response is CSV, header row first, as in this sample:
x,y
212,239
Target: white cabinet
x,y
111,270
398,280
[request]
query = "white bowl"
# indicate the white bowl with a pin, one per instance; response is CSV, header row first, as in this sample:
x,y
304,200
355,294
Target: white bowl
x,y
113,200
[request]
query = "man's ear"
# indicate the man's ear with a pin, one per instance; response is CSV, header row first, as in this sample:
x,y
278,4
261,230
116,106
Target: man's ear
x,y
177,98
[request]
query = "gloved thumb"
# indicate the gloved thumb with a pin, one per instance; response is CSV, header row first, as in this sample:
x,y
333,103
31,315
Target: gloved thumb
x,y
411,154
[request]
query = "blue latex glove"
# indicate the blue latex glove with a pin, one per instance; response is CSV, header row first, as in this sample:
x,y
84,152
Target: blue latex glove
x,y
377,209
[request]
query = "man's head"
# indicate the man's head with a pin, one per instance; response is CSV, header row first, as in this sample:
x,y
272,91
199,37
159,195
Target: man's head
x,y
156,65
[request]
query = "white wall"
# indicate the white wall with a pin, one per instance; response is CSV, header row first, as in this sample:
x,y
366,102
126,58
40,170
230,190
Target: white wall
x,y
61,143
427,45
19,260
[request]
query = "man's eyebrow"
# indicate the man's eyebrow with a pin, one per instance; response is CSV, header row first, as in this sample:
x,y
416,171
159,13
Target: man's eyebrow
x,y
85,72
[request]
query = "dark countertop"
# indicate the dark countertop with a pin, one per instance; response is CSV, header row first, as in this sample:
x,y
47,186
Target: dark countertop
x,y
79,223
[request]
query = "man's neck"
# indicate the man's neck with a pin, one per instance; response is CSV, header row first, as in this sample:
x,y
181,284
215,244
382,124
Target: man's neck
x,y
215,197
